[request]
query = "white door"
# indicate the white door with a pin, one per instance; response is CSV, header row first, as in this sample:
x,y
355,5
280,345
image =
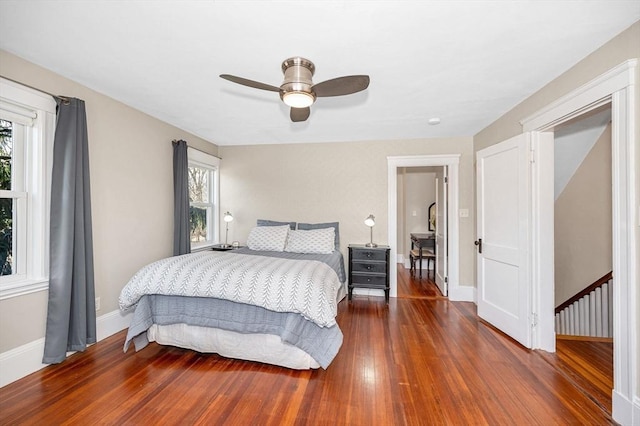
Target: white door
x,y
441,233
503,194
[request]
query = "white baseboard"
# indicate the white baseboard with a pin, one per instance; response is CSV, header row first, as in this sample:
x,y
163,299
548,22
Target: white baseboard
x,y
21,361
111,323
624,411
26,359
462,293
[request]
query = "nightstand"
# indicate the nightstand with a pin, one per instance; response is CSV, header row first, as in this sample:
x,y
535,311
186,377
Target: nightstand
x,y
369,267
222,247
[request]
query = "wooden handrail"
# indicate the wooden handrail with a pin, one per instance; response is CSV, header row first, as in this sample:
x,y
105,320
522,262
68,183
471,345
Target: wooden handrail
x,y
584,292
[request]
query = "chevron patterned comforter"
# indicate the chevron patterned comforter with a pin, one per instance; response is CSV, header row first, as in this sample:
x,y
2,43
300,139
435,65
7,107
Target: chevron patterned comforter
x,y
307,287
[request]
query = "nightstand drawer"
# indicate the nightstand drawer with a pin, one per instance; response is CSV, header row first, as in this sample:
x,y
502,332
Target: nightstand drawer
x,y
366,254
373,267
369,280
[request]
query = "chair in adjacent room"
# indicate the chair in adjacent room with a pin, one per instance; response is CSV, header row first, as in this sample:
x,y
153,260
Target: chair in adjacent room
x,y
428,253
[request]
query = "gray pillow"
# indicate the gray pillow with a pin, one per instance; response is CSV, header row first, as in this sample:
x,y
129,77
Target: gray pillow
x,y
334,225
265,222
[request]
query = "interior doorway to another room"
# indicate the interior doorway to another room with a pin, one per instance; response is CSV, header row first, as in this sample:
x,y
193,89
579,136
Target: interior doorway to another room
x,y
582,203
418,191
615,88
583,249
397,232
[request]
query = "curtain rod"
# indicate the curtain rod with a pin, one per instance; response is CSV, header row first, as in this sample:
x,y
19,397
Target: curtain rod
x,y
190,147
64,99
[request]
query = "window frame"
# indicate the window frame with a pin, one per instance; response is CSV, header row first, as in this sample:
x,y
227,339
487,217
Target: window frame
x,y
201,159
35,114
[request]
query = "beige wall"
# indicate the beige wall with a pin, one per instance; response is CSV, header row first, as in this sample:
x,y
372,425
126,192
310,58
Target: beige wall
x,y
583,223
131,194
332,182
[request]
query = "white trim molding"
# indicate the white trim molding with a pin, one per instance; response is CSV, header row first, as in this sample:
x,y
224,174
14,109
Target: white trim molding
x,y
26,359
452,161
587,97
34,116
618,87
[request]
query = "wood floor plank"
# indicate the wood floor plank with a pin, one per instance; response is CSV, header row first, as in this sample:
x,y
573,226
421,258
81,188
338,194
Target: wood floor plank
x,y
416,361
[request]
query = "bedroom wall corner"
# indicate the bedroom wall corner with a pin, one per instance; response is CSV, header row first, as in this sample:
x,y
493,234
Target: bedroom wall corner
x,y
131,193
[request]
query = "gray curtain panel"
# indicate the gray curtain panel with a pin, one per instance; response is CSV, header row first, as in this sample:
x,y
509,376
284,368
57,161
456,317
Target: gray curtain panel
x,y
71,315
181,242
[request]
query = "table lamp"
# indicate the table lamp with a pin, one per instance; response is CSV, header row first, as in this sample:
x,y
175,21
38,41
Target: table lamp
x,y
370,221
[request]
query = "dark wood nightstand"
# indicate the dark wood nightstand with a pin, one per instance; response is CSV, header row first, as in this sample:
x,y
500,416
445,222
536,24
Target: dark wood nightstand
x,y
369,267
223,247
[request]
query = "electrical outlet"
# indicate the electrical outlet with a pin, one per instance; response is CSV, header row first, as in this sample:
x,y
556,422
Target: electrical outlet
x,y
464,212
97,303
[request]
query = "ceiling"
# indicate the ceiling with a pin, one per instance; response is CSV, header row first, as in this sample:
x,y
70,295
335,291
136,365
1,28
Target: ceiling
x,y
464,62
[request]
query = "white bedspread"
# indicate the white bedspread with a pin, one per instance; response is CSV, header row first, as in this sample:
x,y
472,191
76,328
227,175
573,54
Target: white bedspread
x,y
306,287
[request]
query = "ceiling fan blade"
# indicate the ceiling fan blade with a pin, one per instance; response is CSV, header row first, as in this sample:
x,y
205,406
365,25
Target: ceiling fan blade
x,y
250,83
299,114
341,86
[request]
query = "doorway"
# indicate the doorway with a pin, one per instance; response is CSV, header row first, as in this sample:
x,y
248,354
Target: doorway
x,y
616,87
422,210
583,251
452,163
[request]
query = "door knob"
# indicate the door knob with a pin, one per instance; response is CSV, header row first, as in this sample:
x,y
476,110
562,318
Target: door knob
x,y
478,242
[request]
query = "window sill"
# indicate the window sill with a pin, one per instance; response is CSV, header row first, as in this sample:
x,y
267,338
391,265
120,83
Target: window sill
x,y
21,288
202,248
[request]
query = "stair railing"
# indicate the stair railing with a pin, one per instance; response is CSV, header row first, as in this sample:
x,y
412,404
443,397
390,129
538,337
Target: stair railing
x,y
589,312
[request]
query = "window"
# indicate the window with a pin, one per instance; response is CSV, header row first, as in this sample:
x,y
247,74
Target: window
x,y
11,198
203,199
27,120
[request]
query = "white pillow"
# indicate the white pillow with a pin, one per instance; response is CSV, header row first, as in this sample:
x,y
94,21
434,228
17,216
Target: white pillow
x,y
311,241
268,238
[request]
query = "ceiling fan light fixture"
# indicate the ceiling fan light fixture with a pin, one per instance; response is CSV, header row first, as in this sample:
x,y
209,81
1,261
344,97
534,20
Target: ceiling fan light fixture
x,y
298,99
297,90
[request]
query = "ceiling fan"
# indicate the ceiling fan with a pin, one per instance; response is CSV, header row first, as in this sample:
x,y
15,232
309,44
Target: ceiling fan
x,y
298,91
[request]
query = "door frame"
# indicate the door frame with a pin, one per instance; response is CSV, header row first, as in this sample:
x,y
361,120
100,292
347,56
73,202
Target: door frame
x,y
452,161
615,87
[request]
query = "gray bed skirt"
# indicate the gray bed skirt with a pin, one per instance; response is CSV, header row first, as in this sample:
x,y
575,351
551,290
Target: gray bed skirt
x,y
322,343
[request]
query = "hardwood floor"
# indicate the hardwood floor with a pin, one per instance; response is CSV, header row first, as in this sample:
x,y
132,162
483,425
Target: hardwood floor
x,y
421,360
589,364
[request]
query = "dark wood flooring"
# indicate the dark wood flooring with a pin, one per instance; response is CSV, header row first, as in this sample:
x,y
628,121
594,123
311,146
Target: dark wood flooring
x,y
420,360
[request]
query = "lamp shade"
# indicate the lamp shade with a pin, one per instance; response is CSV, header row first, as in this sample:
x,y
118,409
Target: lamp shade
x,y
228,217
370,220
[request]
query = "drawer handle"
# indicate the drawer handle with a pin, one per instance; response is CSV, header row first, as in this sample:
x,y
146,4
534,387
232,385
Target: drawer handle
x,y
369,267
369,254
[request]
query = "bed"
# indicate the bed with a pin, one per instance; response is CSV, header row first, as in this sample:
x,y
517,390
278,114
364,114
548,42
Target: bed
x,y
274,301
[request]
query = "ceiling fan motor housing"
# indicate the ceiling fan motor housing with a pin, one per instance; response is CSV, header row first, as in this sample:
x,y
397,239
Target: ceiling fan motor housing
x,y
297,77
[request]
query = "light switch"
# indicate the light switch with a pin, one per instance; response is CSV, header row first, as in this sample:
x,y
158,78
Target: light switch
x,y
464,212
414,213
